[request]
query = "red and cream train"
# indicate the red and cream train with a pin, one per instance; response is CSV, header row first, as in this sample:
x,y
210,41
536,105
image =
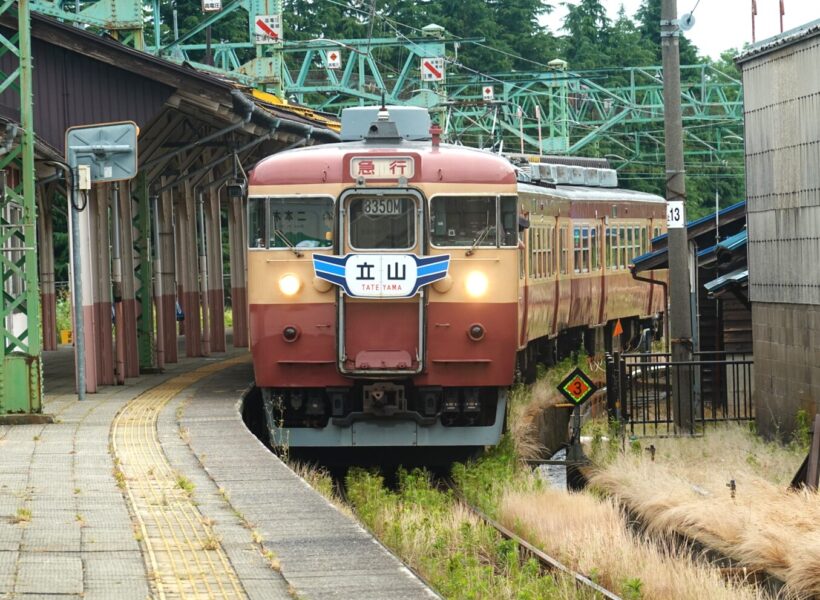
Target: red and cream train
x,y
396,283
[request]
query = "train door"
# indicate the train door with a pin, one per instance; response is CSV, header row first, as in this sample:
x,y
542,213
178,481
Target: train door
x,y
380,331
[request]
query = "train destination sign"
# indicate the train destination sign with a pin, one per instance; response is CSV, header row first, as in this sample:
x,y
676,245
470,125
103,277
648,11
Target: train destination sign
x,y
382,167
381,275
577,387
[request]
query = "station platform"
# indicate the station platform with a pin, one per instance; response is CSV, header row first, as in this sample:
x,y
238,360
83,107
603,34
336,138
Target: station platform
x,y
155,489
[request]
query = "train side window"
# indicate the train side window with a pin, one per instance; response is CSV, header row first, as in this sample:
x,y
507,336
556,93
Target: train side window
x,y
300,222
508,221
577,249
622,245
644,248
636,238
549,258
536,243
257,235
593,243
630,250
564,250
531,237
585,249
463,221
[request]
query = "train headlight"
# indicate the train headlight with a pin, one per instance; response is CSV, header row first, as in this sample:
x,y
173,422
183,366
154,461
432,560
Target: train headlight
x,y
289,284
477,284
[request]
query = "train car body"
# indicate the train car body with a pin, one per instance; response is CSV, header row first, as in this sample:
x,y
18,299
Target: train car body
x,y
395,283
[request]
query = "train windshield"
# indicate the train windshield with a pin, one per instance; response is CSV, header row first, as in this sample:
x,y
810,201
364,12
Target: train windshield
x,y
382,223
474,221
298,222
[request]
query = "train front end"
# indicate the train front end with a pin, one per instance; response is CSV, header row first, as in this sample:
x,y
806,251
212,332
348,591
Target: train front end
x,y
383,289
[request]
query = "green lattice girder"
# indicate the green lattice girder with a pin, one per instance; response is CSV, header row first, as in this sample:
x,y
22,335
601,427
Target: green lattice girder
x,y
627,114
20,369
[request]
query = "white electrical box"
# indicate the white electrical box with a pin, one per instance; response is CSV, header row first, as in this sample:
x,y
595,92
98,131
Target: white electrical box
x,y
83,177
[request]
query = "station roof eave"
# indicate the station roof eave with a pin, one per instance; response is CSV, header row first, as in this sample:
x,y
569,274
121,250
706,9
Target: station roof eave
x,y
782,40
733,281
167,85
729,220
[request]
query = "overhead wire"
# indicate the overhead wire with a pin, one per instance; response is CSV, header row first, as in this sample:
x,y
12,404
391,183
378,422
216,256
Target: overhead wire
x,y
395,24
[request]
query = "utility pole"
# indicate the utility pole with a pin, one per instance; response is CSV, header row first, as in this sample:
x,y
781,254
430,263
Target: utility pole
x,y
680,316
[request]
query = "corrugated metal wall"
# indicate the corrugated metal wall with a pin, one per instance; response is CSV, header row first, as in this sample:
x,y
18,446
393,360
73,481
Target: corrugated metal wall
x,y
782,109
72,89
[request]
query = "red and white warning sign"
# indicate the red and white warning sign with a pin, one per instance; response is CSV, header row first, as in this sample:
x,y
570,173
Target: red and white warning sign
x,y
432,69
267,29
334,59
488,93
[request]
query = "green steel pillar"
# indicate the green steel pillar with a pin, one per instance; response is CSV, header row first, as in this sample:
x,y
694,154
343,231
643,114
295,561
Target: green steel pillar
x,y
266,68
144,292
21,370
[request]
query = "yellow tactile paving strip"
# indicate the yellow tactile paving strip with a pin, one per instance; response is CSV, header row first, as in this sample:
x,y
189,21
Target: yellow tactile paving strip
x,y
185,559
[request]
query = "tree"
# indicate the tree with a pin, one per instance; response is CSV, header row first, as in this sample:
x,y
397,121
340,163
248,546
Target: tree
x,y
588,27
627,47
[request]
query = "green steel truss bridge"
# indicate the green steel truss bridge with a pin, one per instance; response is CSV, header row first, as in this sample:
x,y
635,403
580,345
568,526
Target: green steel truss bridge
x,y
618,112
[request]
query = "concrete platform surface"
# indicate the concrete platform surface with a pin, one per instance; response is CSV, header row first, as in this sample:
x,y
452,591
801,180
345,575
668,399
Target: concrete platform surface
x,y
156,489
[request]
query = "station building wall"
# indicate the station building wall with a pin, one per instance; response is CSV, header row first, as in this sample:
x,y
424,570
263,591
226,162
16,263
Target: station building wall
x,y
782,112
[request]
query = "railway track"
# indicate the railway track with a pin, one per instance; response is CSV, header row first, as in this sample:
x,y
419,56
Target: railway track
x,y
547,562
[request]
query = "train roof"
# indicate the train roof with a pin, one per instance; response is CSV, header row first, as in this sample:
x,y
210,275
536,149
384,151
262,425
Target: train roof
x,y
445,163
582,193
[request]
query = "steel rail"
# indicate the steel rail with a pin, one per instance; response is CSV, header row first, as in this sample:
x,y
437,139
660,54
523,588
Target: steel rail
x,y
545,559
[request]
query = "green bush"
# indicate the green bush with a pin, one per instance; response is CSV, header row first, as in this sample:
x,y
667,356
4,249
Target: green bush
x,y
64,318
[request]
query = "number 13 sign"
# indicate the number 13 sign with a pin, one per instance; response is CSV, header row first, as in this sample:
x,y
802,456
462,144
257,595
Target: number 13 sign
x,y
675,217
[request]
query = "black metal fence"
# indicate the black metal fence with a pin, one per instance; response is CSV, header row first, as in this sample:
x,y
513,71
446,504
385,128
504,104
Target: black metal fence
x,y
718,388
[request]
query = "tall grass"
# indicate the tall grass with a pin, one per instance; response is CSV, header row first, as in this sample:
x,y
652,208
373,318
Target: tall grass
x,y
592,536
462,557
686,490
527,403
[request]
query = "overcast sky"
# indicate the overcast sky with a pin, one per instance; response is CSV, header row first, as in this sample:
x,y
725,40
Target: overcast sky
x,y
719,24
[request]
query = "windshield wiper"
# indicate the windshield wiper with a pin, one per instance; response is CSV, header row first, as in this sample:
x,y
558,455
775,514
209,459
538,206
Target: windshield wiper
x,y
480,237
287,242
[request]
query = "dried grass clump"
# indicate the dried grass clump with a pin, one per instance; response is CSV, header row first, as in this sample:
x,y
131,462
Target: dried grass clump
x,y
320,479
765,527
528,403
592,536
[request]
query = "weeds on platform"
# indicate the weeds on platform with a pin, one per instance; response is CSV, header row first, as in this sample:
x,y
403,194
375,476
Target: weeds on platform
x,y
459,555
185,484
211,542
23,516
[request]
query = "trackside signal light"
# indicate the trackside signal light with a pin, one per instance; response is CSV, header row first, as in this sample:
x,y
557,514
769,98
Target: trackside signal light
x,y
289,284
477,284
